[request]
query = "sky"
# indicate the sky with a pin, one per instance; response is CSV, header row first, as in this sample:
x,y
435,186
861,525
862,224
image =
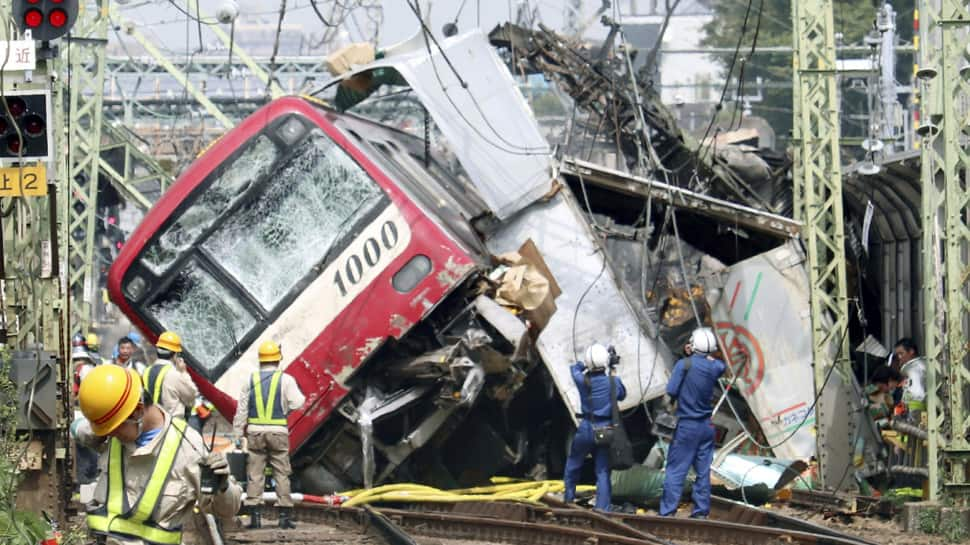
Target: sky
x,y
163,21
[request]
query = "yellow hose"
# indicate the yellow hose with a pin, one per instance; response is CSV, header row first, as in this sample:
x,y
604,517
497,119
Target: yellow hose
x,y
496,488
506,480
505,490
543,490
361,496
431,498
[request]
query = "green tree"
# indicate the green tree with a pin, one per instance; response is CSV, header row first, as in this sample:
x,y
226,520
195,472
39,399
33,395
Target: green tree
x,y
853,20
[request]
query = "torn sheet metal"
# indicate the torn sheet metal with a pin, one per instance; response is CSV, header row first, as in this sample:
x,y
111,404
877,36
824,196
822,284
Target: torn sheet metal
x,y
744,471
483,115
562,234
717,209
770,345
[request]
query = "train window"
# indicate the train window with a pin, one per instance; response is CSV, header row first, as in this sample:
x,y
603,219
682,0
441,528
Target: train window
x,y
206,315
276,238
224,190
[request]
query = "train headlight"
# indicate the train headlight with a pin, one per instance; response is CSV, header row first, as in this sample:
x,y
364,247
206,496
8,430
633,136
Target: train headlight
x,y
291,131
135,288
411,274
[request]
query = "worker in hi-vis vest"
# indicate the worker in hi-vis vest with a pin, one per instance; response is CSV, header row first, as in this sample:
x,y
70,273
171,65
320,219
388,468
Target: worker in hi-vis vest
x,y
263,404
166,380
152,464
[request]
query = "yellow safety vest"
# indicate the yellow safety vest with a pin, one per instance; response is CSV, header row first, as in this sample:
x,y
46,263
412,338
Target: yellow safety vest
x,y
116,518
153,381
267,410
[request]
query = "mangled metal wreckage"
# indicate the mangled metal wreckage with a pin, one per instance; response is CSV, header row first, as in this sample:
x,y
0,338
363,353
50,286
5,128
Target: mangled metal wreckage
x,y
431,298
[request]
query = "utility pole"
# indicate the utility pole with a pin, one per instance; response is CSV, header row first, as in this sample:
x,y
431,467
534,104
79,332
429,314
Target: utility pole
x,y
818,204
886,25
944,77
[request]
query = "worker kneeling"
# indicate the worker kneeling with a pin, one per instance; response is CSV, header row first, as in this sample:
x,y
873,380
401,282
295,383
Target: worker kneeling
x,y
593,384
692,386
151,476
263,405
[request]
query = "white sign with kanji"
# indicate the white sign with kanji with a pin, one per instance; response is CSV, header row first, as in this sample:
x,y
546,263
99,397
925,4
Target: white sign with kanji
x,y
17,55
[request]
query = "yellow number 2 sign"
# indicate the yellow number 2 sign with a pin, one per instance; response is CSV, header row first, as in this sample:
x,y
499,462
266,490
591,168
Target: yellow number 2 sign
x,y
26,181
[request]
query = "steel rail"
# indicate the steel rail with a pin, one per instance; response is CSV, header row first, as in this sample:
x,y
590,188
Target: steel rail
x,y
524,524
734,511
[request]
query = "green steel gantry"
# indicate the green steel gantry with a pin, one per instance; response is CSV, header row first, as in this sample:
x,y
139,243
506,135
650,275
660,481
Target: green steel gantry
x,y
944,72
83,159
818,203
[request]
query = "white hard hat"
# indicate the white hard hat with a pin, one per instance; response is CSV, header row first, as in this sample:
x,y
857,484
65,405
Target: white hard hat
x,y
83,371
79,353
702,341
597,357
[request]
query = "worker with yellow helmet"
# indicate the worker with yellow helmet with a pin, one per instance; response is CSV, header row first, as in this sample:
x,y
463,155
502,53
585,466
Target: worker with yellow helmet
x,y
263,404
166,380
93,343
151,477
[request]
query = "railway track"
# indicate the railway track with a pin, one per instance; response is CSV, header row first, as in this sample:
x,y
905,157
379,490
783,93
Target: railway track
x,y
522,524
734,511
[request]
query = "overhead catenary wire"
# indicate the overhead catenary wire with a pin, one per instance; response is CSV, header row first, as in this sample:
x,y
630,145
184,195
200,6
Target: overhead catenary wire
x,y
195,18
271,77
699,153
316,9
744,60
508,147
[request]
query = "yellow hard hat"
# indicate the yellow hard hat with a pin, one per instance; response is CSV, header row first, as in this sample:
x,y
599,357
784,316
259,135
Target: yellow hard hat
x,y
269,351
169,340
108,395
92,340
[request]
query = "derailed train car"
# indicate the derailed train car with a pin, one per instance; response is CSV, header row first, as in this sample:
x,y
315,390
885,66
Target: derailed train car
x,y
369,253
367,259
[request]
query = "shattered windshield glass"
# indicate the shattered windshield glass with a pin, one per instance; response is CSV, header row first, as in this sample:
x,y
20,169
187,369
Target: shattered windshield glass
x,y
274,240
208,318
254,163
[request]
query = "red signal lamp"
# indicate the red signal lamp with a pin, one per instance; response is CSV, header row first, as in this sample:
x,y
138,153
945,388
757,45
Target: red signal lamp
x,y
13,143
17,106
33,18
57,18
34,126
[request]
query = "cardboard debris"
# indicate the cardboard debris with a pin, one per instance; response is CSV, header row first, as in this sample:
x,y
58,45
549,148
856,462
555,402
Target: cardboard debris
x,y
527,285
345,58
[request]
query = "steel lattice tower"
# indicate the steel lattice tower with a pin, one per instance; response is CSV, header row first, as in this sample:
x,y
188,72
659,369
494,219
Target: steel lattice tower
x,y
945,126
818,204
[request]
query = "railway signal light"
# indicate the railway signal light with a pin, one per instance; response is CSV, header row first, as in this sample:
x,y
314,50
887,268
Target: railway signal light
x,y
24,133
45,19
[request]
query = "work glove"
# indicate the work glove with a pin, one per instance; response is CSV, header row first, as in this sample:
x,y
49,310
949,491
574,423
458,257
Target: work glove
x,y
217,466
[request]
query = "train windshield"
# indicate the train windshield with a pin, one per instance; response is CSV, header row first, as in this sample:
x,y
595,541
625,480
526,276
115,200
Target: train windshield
x,y
253,235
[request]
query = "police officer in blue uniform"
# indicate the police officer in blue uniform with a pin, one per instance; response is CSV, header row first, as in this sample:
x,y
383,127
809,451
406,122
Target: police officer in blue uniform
x,y
692,386
593,384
